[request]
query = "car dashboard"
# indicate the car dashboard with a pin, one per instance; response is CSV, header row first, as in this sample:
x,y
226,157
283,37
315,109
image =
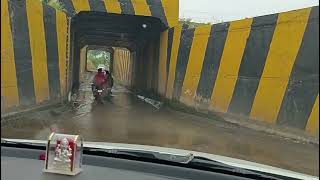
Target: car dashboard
x,y
23,163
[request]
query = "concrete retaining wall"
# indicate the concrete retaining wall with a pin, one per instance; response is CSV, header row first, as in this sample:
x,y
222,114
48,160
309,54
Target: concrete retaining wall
x,y
264,68
33,54
123,66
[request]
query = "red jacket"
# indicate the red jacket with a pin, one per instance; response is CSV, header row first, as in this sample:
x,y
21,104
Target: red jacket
x,y
99,79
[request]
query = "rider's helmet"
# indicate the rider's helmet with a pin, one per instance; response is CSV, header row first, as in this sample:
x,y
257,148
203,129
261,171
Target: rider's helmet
x,y
100,68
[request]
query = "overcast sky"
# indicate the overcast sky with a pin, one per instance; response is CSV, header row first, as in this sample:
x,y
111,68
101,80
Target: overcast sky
x,y
227,10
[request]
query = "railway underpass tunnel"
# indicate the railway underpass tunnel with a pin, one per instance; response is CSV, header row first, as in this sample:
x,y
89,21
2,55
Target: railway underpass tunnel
x,y
130,45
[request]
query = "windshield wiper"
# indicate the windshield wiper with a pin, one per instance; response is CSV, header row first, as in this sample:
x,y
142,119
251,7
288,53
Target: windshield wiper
x,y
184,159
188,160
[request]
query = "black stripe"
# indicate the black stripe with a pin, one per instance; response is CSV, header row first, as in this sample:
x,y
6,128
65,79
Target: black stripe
x,y
155,75
169,48
68,6
127,7
157,10
303,86
140,59
182,61
212,60
150,66
22,51
252,64
49,17
97,5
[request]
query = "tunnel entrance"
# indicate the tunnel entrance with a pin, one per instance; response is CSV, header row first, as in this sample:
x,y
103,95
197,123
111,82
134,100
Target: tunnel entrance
x,y
134,40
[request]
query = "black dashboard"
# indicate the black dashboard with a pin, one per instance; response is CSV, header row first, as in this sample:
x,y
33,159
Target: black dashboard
x,y
23,163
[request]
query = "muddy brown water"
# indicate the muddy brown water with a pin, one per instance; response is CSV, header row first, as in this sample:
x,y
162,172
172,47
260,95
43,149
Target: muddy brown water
x,y
123,118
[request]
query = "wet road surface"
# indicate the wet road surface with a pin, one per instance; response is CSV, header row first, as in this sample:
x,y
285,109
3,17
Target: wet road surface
x,y
126,119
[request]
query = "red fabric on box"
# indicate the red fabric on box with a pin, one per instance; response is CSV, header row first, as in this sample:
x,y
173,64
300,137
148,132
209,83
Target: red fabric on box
x,y
42,156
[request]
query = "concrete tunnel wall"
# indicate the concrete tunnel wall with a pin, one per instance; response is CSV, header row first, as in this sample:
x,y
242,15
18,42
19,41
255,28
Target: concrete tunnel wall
x,y
35,45
166,10
121,66
143,51
263,68
34,54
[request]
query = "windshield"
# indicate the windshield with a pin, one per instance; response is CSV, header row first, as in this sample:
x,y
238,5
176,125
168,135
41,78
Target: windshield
x,y
238,79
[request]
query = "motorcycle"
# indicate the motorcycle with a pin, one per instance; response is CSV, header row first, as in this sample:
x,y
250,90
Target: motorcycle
x,y
98,92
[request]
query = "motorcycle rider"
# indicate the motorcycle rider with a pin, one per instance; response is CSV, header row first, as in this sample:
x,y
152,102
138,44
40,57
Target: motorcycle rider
x,y
109,81
99,80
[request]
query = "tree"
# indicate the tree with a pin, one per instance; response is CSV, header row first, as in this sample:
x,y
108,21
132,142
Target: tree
x,y
99,57
191,24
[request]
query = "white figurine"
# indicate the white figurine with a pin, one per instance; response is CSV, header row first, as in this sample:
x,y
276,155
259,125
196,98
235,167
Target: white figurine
x,y
63,151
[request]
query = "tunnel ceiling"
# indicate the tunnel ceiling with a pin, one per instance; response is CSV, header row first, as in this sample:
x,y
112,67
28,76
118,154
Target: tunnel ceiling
x,y
98,28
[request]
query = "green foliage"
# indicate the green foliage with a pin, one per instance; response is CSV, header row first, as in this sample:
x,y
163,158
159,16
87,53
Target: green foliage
x,y
54,3
191,24
99,57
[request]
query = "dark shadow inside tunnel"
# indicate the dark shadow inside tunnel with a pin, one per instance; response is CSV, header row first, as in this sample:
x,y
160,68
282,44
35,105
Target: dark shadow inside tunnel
x,y
132,41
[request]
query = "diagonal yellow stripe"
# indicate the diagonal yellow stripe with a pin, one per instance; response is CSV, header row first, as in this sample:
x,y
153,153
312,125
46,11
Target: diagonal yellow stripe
x,y
193,72
173,60
113,6
230,63
81,5
171,10
141,7
38,50
313,121
163,62
61,22
9,89
284,48
82,60
150,66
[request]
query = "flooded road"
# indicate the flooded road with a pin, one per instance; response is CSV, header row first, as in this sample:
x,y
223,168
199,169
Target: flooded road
x,y
126,119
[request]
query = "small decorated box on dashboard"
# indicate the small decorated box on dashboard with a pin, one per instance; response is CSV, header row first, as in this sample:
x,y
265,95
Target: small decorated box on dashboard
x,y
64,154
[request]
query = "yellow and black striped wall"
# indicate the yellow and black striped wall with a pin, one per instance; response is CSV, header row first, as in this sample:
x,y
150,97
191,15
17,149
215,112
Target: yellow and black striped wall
x,y
166,10
123,66
33,53
264,68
